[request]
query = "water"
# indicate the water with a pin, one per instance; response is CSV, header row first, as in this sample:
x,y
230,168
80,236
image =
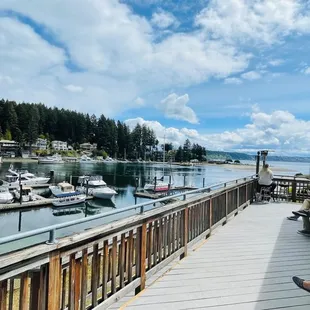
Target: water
x,y
124,178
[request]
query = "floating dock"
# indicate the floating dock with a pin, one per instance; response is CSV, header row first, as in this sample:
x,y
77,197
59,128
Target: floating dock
x,y
30,204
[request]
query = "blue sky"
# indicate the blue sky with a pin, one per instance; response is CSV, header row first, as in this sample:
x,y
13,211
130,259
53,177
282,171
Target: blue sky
x,y
230,75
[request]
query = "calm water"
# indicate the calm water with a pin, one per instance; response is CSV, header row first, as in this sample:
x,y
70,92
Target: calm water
x,y
121,176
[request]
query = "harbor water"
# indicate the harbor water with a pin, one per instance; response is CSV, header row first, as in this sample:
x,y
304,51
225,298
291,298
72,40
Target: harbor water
x,y
125,178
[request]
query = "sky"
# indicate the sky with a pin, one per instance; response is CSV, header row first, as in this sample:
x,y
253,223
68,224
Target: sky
x,y
230,75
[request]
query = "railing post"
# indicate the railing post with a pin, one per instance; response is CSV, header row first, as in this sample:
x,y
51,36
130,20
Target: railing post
x,y
238,199
34,291
54,281
52,237
210,214
24,291
184,197
142,259
203,182
294,189
185,233
3,294
226,204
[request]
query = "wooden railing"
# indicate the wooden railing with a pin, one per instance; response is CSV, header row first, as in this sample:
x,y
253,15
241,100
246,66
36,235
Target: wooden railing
x,y
95,268
295,189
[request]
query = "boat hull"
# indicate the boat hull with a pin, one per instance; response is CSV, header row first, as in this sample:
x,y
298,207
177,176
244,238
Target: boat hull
x,y
69,201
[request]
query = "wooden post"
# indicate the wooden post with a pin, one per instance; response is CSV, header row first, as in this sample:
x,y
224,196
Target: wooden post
x,y
226,204
24,291
34,292
84,278
238,199
72,282
210,214
114,262
122,262
3,294
54,281
185,233
294,189
142,259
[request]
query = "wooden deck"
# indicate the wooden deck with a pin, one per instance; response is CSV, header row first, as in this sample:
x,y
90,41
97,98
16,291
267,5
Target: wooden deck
x,y
246,264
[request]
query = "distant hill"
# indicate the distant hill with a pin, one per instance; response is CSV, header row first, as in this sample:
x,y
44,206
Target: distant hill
x,y
220,155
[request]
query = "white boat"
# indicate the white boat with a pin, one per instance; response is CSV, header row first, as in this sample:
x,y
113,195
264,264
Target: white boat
x,y
63,189
17,177
95,186
5,195
55,159
87,160
157,186
68,201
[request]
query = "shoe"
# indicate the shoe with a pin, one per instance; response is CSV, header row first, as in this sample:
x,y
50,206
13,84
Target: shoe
x,y
304,232
301,213
300,283
293,218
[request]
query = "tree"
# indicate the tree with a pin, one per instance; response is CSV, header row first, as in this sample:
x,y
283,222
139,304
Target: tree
x,y
187,150
33,126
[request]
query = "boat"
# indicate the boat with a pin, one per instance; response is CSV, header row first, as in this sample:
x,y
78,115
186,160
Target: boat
x,y
69,201
23,177
5,196
87,160
55,159
27,194
95,186
63,189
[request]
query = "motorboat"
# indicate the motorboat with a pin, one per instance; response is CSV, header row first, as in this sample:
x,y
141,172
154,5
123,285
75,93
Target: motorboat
x,y
23,177
68,201
5,196
95,186
55,159
87,160
63,189
27,194
157,186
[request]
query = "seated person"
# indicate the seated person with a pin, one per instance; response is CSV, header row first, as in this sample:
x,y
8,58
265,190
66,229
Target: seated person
x,y
265,178
305,214
304,209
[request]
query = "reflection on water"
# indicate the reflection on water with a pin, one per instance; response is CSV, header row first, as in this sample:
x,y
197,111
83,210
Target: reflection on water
x,y
125,178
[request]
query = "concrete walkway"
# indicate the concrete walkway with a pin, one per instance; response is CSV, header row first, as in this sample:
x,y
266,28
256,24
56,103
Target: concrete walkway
x,y
247,264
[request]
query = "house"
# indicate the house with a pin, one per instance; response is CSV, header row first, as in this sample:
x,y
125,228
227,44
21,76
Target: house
x,y
88,147
8,147
40,144
59,145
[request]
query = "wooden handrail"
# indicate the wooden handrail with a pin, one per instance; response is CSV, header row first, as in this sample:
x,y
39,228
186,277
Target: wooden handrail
x,y
101,265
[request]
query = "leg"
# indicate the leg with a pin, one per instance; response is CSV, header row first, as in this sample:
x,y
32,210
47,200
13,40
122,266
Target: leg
x,y
305,206
306,223
272,187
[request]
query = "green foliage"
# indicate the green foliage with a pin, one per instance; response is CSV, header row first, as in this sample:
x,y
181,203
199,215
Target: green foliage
x,y
7,135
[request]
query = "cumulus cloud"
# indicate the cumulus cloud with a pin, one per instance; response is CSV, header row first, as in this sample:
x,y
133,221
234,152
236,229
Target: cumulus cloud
x,y
251,75
163,19
306,71
174,106
235,81
280,131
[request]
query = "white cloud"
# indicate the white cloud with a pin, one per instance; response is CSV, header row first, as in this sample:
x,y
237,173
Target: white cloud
x,y
276,62
6,80
74,88
279,131
235,81
139,101
163,19
251,75
257,21
175,107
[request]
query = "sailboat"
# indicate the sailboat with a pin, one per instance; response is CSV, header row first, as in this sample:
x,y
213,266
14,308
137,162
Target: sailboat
x,y
159,185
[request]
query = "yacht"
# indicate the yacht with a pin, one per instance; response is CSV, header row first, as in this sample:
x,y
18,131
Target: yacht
x,y
63,189
95,186
87,160
55,159
17,177
5,196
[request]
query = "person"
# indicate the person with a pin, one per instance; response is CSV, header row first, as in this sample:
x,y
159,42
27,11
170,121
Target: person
x,y
301,283
265,178
305,214
304,210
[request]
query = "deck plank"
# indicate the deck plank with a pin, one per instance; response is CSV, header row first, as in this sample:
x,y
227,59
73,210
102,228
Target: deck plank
x,y
246,264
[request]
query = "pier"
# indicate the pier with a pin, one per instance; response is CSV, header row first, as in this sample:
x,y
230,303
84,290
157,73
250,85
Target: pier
x,y
237,266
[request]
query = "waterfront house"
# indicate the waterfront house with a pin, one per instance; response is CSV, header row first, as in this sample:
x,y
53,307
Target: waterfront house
x,y
8,148
59,145
88,146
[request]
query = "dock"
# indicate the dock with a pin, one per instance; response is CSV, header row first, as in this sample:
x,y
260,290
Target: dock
x,y
246,264
30,204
